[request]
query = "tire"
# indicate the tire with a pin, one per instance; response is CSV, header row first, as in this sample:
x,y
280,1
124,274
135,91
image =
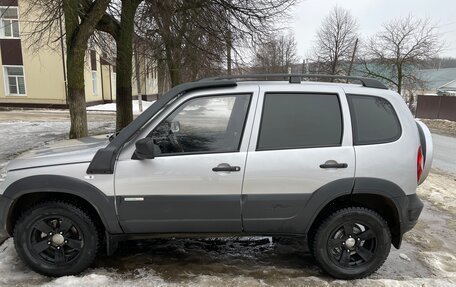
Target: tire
x,y
352,243
56,238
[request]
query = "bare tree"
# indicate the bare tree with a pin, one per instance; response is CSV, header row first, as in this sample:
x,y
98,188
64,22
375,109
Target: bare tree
x,y
80,19
335,41
276,55
119,22
399,49
197,38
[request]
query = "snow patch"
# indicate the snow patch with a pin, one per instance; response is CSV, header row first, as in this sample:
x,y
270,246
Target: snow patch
x,y
404,257
442,264
12,270
440,190
111,107
88,280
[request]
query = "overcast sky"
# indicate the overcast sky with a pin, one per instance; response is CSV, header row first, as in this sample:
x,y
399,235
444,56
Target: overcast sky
x,y
308,14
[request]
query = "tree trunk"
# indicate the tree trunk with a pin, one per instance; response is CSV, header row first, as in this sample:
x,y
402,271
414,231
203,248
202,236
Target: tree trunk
x,y
334,65
174,75
77,34
75,71
76,93
173,66
124,64
399,80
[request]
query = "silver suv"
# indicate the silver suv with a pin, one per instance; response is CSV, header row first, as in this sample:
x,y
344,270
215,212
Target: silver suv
x,y
336,164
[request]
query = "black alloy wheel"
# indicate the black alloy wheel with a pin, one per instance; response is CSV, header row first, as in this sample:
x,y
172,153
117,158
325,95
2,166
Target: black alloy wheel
x,y
56,238
352,243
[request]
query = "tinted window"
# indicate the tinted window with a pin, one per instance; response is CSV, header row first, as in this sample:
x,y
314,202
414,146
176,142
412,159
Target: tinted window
x,y
300,120
206,124
374,120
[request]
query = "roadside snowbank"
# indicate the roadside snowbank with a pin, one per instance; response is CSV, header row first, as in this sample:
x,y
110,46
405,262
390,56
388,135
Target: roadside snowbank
x,y
111,107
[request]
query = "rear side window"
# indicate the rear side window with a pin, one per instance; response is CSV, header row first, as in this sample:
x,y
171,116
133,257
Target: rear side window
x,y
300,121
374,120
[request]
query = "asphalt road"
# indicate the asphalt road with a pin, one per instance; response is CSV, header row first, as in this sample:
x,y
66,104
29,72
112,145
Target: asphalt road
x,y
444,153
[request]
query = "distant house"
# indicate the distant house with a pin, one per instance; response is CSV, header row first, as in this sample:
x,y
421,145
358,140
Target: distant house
x,y
37,78
441,82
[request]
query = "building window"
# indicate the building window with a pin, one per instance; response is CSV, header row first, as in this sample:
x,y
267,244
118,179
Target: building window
x,y
9,22
94,83
14,80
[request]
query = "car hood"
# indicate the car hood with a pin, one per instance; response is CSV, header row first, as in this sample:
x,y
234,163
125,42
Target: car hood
x,y
62,152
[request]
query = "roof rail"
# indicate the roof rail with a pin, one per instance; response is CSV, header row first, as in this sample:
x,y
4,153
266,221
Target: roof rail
x,y
296,78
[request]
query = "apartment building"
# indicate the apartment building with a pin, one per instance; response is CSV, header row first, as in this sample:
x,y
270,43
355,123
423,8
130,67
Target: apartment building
x,y
37,78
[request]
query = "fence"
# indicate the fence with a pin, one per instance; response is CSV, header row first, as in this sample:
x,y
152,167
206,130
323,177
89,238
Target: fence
x,y
436,107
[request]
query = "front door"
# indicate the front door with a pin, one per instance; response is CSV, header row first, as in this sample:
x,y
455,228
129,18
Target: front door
x,y
194,182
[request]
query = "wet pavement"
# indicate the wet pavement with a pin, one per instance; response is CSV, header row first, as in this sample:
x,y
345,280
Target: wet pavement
x,y
444,152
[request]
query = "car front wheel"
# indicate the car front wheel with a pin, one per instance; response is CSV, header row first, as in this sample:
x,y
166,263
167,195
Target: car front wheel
x,y
352,243
56,239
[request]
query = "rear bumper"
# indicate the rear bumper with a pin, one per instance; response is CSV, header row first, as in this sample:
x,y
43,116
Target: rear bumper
x,y
5,203
411,212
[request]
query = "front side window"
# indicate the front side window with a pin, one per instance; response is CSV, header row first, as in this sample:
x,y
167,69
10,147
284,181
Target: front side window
x,y
374,120
9,22
15,81
300,121
203,125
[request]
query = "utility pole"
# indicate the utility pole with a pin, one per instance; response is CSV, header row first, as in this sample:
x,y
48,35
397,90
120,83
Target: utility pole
x,y
352,58
63,61
228,51
138,75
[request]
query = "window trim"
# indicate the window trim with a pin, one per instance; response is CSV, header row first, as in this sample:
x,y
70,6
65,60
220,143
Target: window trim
x,y
2,36
6,83
249,94
257,148
355,124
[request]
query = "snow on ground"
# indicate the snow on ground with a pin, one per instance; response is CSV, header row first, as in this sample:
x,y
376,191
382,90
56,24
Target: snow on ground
x,y
19,136
112,107
208,263
440,189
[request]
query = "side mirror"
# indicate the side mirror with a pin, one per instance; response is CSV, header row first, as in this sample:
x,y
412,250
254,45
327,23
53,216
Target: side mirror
x,y
144,149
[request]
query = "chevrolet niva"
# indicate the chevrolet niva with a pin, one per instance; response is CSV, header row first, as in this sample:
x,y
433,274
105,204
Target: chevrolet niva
x,y
334,163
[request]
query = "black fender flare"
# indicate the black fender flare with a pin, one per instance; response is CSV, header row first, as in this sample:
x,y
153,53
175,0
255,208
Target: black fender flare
x,y
323,196
104,205
394,193
352,187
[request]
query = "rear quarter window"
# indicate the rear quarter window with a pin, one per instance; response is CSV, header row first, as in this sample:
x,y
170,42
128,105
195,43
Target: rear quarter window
x,y
374,120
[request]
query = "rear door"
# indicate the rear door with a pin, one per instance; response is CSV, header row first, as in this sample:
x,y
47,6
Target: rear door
x,y
300,153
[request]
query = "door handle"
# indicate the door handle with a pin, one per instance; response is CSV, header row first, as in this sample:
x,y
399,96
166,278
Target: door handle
x,y
333,164
225,167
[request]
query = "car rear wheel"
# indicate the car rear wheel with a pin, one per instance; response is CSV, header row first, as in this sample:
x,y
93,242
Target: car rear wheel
x,y
352,243
56,239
